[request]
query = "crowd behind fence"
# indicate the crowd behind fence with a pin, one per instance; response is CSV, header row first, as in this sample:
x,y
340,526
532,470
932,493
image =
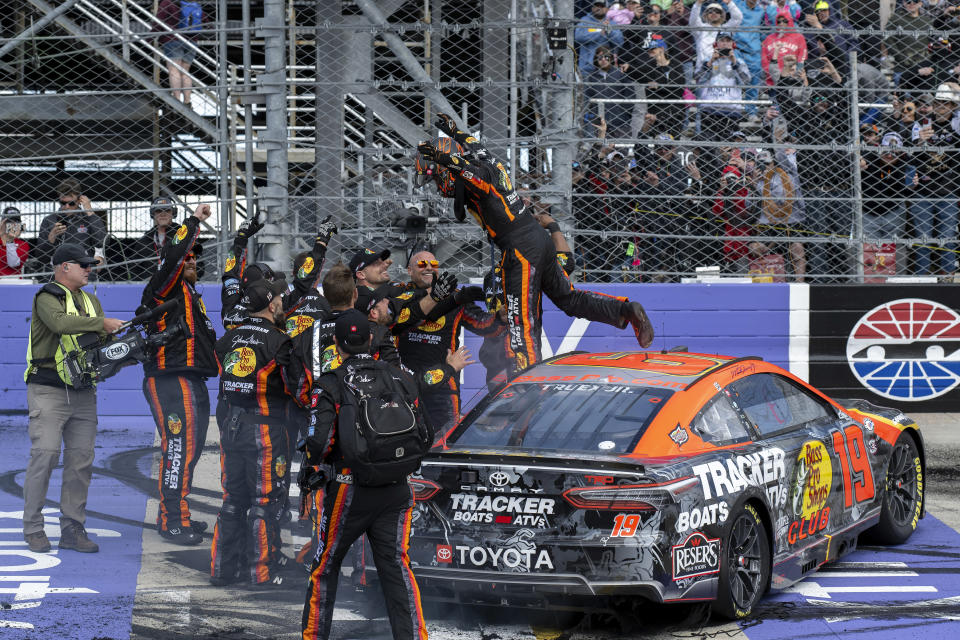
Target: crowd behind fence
x,y
811,142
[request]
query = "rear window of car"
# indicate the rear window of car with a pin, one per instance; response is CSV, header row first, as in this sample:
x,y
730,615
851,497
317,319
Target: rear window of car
x,y
603,418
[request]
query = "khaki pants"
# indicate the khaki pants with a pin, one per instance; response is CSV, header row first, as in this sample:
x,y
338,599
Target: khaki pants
x,y
58,415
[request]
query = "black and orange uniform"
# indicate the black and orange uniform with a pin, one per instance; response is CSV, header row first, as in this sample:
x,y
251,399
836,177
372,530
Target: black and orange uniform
x,y
480,185
422,347
259,370
383,513
302,303
175,379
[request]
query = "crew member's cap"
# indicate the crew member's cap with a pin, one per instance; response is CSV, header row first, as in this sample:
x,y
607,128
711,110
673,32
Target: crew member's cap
x,y
365,258
259,294
256,271
715,5
11,213
891,139
367,297
822,5
163,204
70,252
352,331
655,41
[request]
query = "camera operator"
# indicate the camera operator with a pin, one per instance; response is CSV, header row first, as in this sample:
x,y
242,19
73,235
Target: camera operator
x,y
14,251
58,412
76,222
175,380
260,374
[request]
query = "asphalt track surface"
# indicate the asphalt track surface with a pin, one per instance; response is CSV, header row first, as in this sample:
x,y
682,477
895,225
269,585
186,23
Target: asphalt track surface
x,y
140,586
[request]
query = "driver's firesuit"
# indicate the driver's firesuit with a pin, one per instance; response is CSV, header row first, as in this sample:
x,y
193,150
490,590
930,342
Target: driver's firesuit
x,y
462,169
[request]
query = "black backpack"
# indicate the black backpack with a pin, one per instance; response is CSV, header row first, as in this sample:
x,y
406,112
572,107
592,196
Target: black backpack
x,y
381,431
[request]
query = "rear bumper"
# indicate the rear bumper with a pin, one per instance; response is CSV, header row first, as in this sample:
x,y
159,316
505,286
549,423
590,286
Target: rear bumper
x,y
466,584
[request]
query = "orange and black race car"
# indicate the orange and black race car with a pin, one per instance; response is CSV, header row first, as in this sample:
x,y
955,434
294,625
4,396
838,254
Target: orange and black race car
x,y
666,475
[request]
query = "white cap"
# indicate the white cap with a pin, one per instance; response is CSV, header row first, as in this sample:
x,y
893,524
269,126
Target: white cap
x,y
947,93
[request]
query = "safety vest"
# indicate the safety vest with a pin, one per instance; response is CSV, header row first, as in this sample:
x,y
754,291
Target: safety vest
x,y
68,342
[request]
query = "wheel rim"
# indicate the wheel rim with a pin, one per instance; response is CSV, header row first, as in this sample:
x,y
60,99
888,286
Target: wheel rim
x,y
901,484
744,562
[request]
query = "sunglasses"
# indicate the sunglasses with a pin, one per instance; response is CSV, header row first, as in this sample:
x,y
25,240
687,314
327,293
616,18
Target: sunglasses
x,y
191,257
67,203
604,57
82,266
908,110
423,264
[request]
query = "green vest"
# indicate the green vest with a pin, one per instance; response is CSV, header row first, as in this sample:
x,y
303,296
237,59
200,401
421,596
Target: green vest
x,y
68,342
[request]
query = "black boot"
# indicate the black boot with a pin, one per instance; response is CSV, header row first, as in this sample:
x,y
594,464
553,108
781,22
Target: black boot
x,y
179,535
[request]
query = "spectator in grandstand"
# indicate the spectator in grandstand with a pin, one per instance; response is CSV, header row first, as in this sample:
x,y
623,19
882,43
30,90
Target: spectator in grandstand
x,y
186,17
647,25
874,89
681,43
13,252
939,66
76,222
784,42
946,14
715,16
826,176
781,206
667,179
608,82
591,213
147,248
720,78
828,38
773,9
594,31
792,96
749,42
730,204
901,119
885,188
908,49
934,209
870,135
662,79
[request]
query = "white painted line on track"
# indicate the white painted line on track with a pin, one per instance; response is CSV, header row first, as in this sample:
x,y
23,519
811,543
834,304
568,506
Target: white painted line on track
x,y
813,589
864,574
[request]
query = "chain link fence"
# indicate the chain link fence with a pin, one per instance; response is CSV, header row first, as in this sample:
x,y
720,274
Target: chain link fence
x,y
812,142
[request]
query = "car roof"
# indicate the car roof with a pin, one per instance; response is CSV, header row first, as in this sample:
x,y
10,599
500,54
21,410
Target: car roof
x,y
669,370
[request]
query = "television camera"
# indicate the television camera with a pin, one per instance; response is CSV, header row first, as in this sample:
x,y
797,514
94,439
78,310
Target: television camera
x,y
100,358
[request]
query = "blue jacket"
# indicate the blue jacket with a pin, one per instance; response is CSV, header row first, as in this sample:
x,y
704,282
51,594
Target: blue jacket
x,y
748,41
590,34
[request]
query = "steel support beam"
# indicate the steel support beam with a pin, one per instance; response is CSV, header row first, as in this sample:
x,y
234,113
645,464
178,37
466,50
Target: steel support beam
x,y
35,27
128,69
274,198
376,17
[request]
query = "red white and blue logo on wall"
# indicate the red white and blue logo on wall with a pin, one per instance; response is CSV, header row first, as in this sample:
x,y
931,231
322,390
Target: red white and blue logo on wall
x,y
907,349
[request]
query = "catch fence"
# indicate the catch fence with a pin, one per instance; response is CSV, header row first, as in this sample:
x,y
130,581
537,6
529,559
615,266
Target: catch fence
x,y
841,164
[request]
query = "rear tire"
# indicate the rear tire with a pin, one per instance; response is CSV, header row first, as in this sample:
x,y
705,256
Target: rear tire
x,y
745,565
902,495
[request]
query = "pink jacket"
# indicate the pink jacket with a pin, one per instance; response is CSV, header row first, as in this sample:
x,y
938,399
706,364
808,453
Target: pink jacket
x,y
782,42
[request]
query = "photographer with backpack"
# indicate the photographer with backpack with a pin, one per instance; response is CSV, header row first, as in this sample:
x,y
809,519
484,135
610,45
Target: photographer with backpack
x,y
367,434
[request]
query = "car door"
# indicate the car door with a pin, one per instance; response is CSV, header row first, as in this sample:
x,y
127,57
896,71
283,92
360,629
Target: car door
x,y
788,417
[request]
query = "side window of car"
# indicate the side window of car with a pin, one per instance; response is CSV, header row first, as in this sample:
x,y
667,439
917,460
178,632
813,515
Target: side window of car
x,y
718,422
775,404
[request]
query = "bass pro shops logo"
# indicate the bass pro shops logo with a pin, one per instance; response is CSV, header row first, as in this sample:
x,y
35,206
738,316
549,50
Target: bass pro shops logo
x,y
907,349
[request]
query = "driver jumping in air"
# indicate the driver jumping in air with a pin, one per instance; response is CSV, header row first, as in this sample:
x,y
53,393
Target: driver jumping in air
x,y
464,170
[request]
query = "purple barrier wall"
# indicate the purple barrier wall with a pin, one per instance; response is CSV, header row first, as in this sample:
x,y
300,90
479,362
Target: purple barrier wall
x,y
716,318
